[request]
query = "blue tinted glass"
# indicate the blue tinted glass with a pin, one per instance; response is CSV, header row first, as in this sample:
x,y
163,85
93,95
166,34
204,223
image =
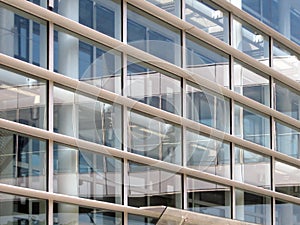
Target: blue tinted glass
x,y
287,140
42,3
85,12
252,126
251,83
208,108
23,38
101,15
22,160
87,61
107,15
251,41
152,35
287,100
295,21
287,213
281,15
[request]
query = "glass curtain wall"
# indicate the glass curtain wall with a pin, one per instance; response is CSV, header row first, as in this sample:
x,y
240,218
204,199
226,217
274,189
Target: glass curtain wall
x,y
82,59
101,15
23,99
154,36
281,15
157,160
23,36
16,209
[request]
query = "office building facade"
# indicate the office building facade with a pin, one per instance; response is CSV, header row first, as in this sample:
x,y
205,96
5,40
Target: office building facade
x,y
149,112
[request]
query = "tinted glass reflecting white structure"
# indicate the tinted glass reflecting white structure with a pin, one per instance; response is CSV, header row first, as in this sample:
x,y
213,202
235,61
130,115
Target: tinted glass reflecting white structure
x,y
147,112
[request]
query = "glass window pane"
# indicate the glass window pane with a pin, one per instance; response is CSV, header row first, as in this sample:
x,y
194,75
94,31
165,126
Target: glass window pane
x,y
74,214
87,118
205,61
208,17
21,210
286,61
281,15
251,126
101,15
287,179
23,37
22,160
155,138
287,213
287,139
23,99
141,220
208,198
251,83
42,3
208,108
252,168
85,174
207,154
153,36
250,41
153,86
171,6
150,186
84,60
253,208
287,100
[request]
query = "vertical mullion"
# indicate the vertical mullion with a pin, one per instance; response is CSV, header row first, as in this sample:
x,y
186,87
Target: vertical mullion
x,y
273,130
50,169
233,214
125,113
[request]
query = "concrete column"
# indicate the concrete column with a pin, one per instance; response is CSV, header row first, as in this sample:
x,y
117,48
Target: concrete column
x,y
68,46
68,55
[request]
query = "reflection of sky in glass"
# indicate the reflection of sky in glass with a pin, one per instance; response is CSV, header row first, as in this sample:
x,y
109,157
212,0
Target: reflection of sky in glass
x,y
281,15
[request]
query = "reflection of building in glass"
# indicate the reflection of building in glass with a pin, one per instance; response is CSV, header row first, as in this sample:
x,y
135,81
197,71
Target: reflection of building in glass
x,y
149,112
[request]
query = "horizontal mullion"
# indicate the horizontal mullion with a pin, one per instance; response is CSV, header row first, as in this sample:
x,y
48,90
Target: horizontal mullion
x,y
167,17
204,36
15,190
78,143
150,110
111,42
258,24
